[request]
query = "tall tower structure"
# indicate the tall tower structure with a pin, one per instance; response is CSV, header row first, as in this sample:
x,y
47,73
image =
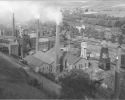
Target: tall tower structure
x,y
84,50
37,36
13,26
57,49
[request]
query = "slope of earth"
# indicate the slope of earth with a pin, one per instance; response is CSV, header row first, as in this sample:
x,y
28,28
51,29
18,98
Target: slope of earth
x,y
15,83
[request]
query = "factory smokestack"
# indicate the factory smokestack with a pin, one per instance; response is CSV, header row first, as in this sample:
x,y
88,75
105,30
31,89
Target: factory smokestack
x,y
57,49
37,36
13,30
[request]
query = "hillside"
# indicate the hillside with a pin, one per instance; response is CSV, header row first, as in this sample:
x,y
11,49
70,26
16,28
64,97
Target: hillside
x,y
16,84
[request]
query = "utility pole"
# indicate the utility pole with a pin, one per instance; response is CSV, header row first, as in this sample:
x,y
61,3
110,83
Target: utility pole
x,y
117,72
37,36
69,41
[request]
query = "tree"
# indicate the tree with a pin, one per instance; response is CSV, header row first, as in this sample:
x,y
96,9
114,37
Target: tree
x,y
77,85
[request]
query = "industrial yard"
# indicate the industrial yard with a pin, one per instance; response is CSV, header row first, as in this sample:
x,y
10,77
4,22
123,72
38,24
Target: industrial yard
x,y
58,52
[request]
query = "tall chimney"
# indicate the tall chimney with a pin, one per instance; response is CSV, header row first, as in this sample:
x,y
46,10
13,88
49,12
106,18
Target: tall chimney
x,y
13,30
37,36
57,49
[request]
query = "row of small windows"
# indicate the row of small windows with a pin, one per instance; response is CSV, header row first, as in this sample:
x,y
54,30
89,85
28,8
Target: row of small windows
x,y
47,68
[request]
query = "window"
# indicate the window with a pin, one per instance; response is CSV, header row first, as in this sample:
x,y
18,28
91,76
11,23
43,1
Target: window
x,y
75,67
43,69
50,67
79,66
66,63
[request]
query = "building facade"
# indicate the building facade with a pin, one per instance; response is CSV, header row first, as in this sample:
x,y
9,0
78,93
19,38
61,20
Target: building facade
x,y
74,62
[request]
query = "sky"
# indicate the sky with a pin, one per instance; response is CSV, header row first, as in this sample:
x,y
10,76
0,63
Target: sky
x,y
47,9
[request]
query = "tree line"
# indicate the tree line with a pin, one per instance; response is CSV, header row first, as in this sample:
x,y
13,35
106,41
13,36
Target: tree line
x,y
97,19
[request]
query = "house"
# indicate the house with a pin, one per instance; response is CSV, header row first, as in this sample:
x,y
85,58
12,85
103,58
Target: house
x,y
48,58
71,61
44,62
38,64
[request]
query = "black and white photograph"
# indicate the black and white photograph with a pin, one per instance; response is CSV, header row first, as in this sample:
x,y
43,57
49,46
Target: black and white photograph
x,y
62,49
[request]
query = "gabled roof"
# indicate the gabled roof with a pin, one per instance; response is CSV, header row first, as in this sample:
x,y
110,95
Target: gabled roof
x,y
47,57
71,59
41,57
44,57
33,61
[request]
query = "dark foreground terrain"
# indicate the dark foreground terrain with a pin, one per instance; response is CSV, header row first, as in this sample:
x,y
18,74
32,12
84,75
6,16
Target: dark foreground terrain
x,y
15,83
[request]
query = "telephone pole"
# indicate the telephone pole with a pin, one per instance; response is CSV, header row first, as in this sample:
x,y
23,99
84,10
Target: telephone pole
x,y
117,70
117,75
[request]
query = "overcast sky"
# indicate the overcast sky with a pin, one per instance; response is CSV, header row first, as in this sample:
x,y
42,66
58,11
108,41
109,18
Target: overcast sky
x,y
25,10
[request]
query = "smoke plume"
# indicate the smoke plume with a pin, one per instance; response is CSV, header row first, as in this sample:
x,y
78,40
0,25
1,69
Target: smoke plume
x,y
28,10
